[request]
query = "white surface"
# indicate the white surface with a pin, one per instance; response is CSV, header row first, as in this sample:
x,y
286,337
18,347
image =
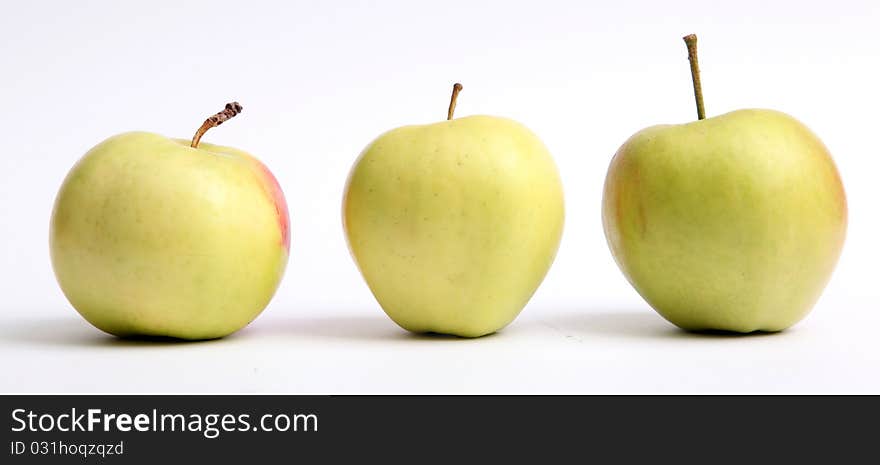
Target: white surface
x,y
319,81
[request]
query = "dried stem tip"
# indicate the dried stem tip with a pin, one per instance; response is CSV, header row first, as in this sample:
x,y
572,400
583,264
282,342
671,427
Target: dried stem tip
x,y
456,88
228,112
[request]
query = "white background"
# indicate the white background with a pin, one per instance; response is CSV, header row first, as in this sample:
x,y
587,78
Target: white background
x,y
319,80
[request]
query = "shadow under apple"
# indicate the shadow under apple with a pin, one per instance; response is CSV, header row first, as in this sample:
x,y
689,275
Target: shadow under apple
x,y
71,331
377,328
629,323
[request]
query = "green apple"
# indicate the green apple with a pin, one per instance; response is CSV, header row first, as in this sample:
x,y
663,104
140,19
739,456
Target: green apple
x,y
152,236
731,223
454,225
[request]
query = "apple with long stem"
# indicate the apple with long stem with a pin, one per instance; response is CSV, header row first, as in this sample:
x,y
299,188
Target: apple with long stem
x,y
454,224
731,223
152,236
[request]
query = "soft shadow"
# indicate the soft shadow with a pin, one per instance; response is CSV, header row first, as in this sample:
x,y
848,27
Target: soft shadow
x,y
76,332
363,328
449,337
642,324
373,328
719,334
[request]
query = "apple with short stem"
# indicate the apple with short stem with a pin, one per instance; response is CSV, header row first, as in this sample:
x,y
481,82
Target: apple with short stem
x,y
454,225
152,236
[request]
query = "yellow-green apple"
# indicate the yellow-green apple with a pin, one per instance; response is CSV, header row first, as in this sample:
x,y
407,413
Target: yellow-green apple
x,y
152,236
454,224
731,223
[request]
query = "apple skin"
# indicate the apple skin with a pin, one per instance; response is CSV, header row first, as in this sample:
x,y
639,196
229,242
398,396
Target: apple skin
x,y
454,225
732,223
150,237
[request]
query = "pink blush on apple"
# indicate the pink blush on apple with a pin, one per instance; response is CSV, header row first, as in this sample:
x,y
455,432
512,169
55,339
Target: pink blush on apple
x,y
273,190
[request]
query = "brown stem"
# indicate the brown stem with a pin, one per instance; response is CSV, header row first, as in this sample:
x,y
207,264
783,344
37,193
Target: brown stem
x,y
691,41
230,111
456,88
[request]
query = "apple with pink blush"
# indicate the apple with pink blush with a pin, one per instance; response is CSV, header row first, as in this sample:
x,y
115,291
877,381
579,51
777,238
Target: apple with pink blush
x,y
154,236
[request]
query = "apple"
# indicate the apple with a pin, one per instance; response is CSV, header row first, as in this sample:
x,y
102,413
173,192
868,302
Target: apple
x,y
152,236
454,225
732,223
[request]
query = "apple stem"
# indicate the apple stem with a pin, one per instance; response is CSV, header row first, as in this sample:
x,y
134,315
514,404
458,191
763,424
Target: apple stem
x,y
456,88
228,112
691,41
